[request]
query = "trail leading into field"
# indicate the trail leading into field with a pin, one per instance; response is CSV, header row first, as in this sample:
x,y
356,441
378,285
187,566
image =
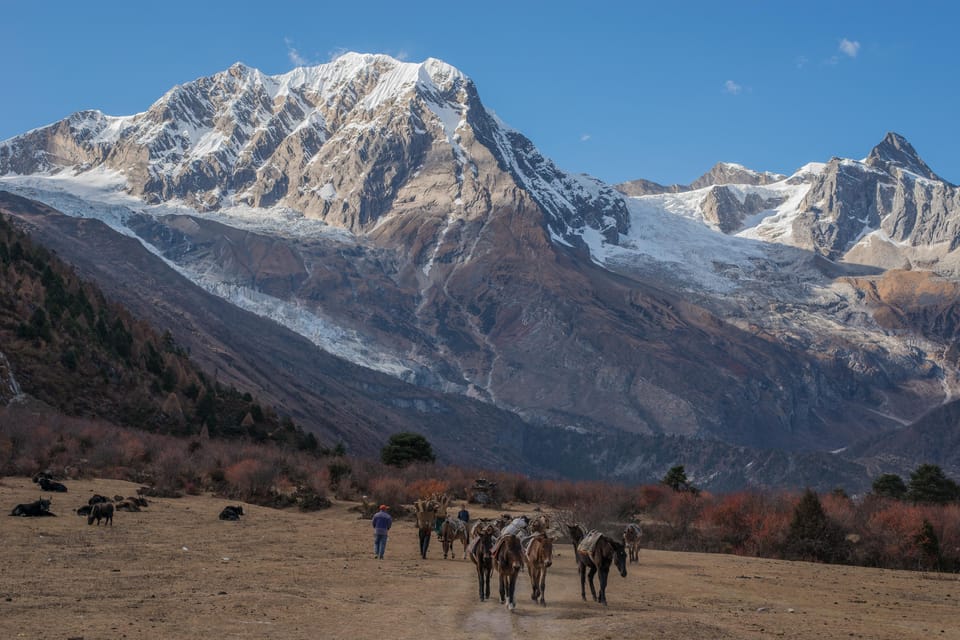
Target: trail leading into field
x,y
176,572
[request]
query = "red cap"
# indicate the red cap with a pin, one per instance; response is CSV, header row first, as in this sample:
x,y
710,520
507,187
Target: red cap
x,y
383,507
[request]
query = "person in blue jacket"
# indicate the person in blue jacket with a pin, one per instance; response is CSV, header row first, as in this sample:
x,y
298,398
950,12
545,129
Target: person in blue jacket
x,y
381,522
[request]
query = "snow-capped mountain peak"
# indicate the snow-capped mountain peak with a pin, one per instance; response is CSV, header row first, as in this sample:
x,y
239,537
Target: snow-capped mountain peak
x,y
895,151
733,173
339,141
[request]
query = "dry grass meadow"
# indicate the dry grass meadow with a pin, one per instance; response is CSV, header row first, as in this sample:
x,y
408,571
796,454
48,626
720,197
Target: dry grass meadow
x,y
175,571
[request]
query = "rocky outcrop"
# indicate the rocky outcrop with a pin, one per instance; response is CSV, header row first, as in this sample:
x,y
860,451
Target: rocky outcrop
x,y
720,174
894,152
732,173
893,192
641,187
9,387
726,209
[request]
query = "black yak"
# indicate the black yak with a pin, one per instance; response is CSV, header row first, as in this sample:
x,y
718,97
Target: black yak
x,y
231,513
49,485
101,510
39,508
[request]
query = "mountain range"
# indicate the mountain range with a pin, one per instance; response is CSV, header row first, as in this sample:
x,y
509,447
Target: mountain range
x,y
375,250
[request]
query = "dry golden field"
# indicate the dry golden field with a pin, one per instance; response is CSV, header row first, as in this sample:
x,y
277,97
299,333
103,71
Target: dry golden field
x,y
175,570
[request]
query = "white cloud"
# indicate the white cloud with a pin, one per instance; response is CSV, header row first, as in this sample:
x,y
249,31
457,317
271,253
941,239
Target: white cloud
x,y
849,47
295,58
732,87
336,53
585,137
802,62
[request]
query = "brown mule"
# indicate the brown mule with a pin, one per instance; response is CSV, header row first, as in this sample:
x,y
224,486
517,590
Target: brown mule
x,y
539,556
508,560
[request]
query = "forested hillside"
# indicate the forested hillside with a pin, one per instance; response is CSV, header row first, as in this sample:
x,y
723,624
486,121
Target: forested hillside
x,y
71,348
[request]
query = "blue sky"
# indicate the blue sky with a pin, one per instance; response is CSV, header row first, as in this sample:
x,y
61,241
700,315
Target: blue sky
x,y
617,90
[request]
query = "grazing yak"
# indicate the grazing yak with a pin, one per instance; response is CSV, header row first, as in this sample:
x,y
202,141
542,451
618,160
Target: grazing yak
x,y
39,508
101,510
231,513
49,485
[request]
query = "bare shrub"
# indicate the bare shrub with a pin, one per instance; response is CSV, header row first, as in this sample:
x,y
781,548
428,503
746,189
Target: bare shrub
x,y
391,492
251,478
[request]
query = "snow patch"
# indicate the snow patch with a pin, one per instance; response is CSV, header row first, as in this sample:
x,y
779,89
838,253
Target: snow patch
x,y
328,192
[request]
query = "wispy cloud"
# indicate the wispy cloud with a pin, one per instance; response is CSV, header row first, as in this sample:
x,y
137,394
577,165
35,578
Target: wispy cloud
x,y
336,53
584,137
802,61
732,87
849,47
295,58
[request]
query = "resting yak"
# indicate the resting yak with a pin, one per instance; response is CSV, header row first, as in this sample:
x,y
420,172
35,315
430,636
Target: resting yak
x,y
231,513
50,485
39,508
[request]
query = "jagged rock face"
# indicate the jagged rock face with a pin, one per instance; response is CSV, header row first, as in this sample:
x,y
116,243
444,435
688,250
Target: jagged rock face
x,y
641,187
894,152
845,200
722,208
731,173
915,301
346,142
9,388
895,192
720,174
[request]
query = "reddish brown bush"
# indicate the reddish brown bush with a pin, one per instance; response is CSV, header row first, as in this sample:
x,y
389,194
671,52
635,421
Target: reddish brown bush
x,y
251,477
426,487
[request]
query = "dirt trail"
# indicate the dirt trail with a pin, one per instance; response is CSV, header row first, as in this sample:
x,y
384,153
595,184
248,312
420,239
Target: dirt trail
x,y
175,571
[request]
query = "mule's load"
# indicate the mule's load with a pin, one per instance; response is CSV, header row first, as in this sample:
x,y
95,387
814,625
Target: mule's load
x,y
588,543
428,511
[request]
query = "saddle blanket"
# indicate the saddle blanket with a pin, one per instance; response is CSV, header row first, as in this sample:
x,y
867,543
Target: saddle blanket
x,y
525,542
589,542
502,539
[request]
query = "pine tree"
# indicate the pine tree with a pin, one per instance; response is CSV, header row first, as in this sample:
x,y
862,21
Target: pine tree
x,y
404,448
812,535
928,484
890,485
677,480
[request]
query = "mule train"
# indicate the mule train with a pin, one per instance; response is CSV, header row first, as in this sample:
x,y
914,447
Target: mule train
x,y
508,545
